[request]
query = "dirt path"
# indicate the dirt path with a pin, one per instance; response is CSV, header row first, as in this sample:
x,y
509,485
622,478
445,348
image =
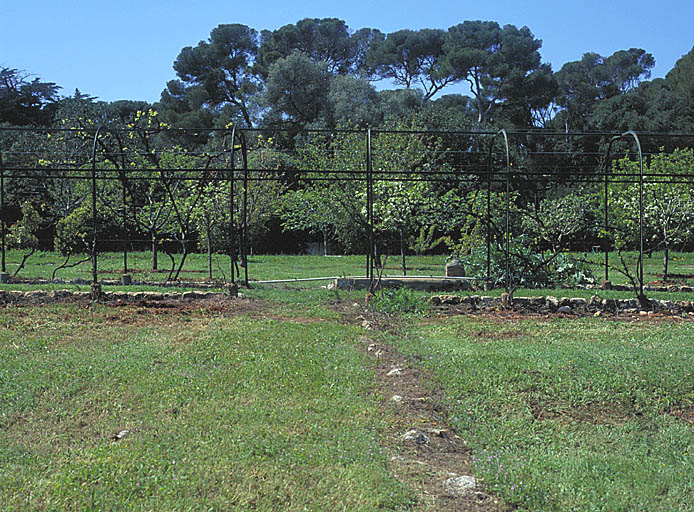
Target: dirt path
x,y
426,453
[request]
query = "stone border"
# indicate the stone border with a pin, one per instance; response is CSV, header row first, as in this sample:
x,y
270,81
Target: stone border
x,y
117,282
607,285
550,304
43,297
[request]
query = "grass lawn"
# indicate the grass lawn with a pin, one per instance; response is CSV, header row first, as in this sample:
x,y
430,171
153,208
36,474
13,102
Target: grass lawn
x,y
261,267
273,409
222,413
582,414
270,267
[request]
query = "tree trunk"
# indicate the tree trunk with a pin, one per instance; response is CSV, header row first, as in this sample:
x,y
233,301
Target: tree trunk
x,y
155,255
402,253
665,262
24,260
325,243
184,246
209,253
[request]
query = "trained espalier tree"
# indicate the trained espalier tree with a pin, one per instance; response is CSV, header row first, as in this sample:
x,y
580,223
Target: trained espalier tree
x,y
668,204
24,233
335,204
330,203
560,221
212,215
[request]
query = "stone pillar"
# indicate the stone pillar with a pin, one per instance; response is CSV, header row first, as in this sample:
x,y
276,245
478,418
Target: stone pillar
x,y
455,268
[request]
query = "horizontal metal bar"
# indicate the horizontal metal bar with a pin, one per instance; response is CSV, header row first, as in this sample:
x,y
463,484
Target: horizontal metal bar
x,y
302,279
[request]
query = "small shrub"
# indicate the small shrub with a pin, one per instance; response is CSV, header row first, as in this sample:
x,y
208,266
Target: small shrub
x,y
397,301
530,267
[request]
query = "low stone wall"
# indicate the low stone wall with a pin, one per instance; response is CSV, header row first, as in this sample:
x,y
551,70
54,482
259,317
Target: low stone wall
x,y
550,304
43,297
203,285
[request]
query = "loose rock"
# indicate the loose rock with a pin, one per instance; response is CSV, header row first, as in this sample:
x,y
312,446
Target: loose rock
x,y
460,485
121,435
416,437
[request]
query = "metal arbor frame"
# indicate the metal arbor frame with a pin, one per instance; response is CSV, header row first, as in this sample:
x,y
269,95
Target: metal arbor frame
x,y
236,139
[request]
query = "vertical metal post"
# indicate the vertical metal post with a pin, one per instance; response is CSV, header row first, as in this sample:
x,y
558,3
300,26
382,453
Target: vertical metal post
x,y
366,187
244,255
607,223
508,208
489,213
232,234
95,276
369,208
125,223
2,212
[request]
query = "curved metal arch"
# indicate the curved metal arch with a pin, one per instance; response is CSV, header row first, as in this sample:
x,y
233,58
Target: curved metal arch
x,y
507,234
3,268
635,136
232,234
95,273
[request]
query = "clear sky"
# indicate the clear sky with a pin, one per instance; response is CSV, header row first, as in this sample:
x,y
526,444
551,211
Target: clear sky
x,y
125,49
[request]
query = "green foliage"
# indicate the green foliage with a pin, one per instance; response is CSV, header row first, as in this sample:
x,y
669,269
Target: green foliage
x,y
23,234
219,71
325,40
25,101
397,301
408,57
496,61
563,221
681,76
297,89
73,234
530,267
668,205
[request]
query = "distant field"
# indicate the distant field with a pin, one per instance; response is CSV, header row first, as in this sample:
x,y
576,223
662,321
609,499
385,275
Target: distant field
x,y
269,267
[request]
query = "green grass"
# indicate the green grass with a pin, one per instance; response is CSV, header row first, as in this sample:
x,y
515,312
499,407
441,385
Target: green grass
x,y
569,414
270,267
680,266
276,414
224,413
261,267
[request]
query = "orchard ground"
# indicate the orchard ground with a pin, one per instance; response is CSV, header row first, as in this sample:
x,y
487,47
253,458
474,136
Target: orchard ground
x,y
282,400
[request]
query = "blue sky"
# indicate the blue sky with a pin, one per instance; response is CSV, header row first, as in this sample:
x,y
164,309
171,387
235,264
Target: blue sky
x,y
125,49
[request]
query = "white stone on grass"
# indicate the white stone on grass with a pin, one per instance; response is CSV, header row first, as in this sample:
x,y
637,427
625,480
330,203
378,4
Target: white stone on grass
x,y
460,485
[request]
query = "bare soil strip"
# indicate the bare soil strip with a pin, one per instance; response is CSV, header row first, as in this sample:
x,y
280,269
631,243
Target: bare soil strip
x,y
426,454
